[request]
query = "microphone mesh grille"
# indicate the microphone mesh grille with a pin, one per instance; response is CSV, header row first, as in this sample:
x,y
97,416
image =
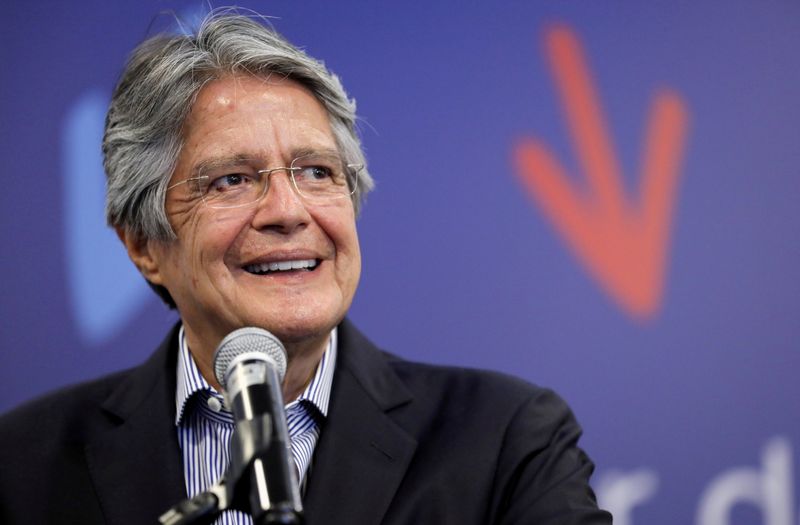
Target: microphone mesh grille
x,y
249,339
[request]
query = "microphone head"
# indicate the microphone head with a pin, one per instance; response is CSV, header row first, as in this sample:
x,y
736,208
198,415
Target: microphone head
x,y
254,343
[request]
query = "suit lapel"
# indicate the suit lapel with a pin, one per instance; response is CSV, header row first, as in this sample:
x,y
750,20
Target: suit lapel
x,y
359,463
363,454
135,463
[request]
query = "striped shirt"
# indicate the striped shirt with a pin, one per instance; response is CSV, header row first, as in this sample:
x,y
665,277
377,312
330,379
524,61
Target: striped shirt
x,y
205,426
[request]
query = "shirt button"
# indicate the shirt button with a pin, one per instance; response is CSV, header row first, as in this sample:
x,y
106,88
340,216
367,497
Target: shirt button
x,y
214,404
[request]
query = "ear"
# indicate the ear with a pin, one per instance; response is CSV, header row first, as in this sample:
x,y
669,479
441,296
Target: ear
x,y
144,253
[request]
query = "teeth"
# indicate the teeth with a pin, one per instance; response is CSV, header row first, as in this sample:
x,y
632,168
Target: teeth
x,y
281,266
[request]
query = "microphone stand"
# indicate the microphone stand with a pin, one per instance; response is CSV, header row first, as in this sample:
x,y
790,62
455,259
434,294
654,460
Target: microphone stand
x,y
202,509
268,504
244,486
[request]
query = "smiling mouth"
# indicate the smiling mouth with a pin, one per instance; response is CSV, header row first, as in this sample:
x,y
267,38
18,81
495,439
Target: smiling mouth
x,y
306,265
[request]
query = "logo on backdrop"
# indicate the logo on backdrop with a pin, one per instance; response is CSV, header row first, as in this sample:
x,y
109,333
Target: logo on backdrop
x,y
105,289
768,487
622,242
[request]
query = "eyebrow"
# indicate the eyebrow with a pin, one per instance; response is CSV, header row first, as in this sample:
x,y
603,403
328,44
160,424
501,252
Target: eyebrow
x,y
241,158
219,162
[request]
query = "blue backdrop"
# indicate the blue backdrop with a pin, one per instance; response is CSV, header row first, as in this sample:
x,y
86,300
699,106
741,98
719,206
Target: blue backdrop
x,y
600,197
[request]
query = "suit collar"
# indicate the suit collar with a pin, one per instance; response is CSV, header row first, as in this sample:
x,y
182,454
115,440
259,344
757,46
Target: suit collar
x,y
369,367
135,462
363,454
360,460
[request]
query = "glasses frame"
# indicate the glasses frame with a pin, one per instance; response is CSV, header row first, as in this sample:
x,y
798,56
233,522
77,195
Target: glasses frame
x,y
351,178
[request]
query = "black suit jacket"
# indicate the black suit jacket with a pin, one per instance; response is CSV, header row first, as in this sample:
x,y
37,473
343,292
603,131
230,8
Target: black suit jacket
x,y
403,443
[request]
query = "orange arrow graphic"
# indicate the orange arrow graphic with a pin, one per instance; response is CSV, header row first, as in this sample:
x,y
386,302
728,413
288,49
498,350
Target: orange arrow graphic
x,y
622,244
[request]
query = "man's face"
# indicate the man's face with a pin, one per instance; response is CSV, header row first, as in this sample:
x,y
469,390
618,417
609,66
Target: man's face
x,y
211,270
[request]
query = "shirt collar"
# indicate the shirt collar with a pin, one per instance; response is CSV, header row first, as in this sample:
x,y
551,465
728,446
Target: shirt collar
x,y
192,384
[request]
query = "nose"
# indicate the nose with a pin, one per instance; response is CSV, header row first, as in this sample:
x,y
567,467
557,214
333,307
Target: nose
x,y
281,208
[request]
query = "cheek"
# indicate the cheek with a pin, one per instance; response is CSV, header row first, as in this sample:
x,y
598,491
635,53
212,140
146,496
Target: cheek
x,y
348,252
207,241
342,232
339,224
356,250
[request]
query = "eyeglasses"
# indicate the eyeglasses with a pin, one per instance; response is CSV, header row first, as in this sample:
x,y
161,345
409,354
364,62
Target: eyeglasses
x,y
233,183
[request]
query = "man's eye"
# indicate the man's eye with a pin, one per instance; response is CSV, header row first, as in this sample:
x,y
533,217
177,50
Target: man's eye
x,y
232,181
315,173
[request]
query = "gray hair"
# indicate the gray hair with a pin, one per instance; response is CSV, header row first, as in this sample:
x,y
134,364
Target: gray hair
x,y
158,87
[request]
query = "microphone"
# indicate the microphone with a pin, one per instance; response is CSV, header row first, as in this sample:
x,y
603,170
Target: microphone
x,y
250,364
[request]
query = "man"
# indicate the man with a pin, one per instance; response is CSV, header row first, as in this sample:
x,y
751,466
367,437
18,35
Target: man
x,y
234,179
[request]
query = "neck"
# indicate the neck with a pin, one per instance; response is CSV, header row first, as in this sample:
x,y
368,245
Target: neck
x,y
302,364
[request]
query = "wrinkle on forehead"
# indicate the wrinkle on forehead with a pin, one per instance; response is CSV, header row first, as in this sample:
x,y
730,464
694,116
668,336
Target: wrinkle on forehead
x,y
268,120
224,93
260,137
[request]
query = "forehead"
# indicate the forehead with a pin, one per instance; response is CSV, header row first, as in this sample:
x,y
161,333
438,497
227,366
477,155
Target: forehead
x,y
246,115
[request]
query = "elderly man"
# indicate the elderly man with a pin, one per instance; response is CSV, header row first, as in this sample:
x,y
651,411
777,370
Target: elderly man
x,y
234,179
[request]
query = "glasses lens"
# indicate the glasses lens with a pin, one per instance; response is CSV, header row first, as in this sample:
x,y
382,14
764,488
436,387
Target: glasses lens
x,y
230,185
240,182
321,176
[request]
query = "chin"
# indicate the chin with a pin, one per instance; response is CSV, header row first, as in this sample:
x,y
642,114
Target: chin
x,y
297,329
